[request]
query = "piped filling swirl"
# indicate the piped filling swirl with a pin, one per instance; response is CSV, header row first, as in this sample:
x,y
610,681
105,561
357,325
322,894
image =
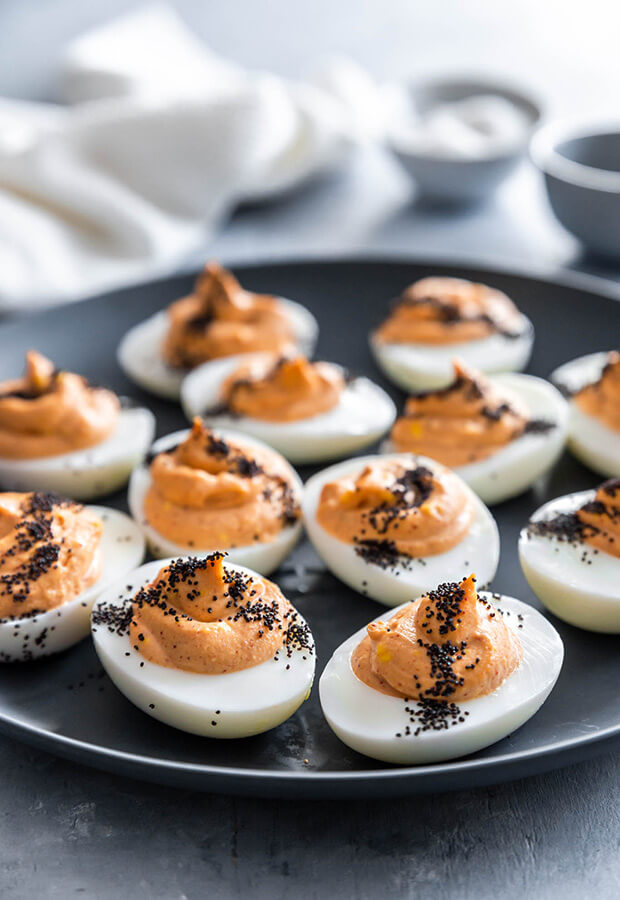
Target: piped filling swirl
x,y
602,398
596,523
448,646
209,492
282,389
439,311
200,616
48,412
463,423
49,552
390,509
220,318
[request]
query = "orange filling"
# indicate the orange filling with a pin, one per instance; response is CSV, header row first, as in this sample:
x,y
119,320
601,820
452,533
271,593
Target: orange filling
x,y
283,389
199,616
49,552
466,422
221,319
602,399
449,311
602,518
448,645
415,511
47,412
208,492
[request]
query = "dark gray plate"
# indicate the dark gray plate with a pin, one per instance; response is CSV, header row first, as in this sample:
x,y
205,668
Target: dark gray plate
x,y
67,705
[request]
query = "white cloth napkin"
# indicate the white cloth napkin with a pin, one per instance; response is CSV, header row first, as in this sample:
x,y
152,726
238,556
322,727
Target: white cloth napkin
x,y
159,140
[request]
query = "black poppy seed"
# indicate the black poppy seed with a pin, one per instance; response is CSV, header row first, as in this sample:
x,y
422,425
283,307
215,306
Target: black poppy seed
x,y
570,527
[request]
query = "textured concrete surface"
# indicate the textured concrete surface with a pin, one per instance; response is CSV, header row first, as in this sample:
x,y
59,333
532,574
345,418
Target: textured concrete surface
x,y
68,831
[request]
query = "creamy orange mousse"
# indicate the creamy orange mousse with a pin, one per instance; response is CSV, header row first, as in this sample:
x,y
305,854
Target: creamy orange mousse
x,y
602,399
449,645
220,318
596,523
600,518
208,492
463,423
200,616
449,311
48,412
389,509
49,552
282,389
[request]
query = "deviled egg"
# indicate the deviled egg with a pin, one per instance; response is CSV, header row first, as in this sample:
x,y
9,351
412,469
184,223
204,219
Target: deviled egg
x,y
570,555
593,385
219,318
204,490
437,318
209,648
308,411
59,433
56,557
442,676
388,526
500,433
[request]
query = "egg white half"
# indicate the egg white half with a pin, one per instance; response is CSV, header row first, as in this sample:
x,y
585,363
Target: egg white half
x,y
518,465
234,705
478,552
139,352
262,557
363,414
421,367
592,442
368,721
575,582
30,637
89,473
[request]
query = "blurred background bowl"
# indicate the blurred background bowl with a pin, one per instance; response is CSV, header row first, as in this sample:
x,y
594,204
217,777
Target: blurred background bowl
x,y
581,168
448,177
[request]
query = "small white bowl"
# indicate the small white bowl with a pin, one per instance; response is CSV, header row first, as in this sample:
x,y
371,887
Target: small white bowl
x,y
452,178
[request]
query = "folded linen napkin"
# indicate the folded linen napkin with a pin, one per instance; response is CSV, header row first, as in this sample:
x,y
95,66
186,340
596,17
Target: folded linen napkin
x,y
158,140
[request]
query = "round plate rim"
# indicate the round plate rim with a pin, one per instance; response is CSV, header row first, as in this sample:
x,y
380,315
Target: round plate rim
x,y
12,726
149,768
553,275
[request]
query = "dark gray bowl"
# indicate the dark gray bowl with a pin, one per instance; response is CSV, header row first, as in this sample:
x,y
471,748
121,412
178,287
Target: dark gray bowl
x,y
581,168
449,178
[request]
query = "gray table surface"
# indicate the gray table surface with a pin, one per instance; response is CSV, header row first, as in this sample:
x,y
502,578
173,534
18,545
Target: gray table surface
x,y
67,830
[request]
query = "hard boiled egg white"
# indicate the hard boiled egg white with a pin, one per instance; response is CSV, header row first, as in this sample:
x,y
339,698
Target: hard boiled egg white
x,y
363,414
477,552
139,352
237,704
369,721
519,464
593,442
422,367
122,549
574,581
89,473
262,557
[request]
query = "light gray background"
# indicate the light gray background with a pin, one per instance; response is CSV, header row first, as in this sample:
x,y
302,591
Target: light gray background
x,y
67,831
